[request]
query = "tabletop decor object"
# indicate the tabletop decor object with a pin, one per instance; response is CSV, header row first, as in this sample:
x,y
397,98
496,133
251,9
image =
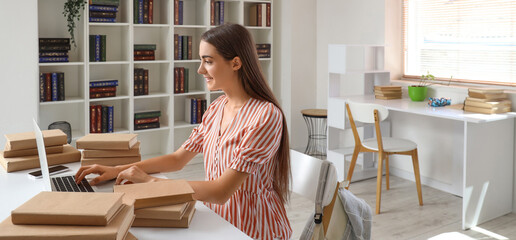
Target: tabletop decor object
x,y
439,102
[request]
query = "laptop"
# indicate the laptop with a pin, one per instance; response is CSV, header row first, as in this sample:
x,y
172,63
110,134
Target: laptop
x,y
62,183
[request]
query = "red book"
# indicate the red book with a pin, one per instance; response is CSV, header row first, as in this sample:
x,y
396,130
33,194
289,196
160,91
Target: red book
x,y
176,80
181,79
189,47
102,89
93,119
48,87
259,13
143,52
176,46
150,11
176,12
146,120
99,118
146,82
212,12
268,19
102,94
143,58
199,111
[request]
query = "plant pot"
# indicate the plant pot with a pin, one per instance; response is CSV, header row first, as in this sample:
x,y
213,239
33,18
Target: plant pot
x,y
417,93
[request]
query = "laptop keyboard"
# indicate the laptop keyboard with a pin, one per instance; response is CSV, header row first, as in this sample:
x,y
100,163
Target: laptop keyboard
x,y
67,184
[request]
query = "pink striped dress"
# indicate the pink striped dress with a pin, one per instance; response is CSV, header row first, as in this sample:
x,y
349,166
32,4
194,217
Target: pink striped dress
x,y
249,144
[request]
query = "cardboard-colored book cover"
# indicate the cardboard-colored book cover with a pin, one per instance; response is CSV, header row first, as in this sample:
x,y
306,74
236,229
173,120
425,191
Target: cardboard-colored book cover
x,y
168,212
487,110
116,229
387,98
184,222
489,96
72,208
471,99
492,104
387,87
109,141
69,154
110,161
155,194
485,90
133,152
27,140
32,151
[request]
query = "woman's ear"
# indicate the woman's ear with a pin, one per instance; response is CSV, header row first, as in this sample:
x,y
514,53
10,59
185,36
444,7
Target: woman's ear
x,y
237,63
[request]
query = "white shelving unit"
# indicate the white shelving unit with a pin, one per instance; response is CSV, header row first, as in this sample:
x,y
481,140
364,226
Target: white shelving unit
x,y
353,70
121,37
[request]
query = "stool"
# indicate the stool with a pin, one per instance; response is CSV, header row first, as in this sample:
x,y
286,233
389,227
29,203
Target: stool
x,y
316,123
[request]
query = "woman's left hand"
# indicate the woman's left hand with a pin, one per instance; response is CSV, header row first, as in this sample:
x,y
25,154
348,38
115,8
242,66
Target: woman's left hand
x,y
134,174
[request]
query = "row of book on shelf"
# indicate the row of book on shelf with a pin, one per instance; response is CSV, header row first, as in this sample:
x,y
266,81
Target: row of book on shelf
x,y
101,119
98,44
194,110
487,100
54,49
51,86
103,10
182,47
260,15
216,12
103,88
141,81
147,120
143,12
144,52
181,80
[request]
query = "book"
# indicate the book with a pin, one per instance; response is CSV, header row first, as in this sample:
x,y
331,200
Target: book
x,y
54,86
99,8
154,194
69,154
144,52
102,19
104,119
176,12
93,119
93,153
146,120
184,222
181,80
185,80
48,87
41,87
102,89
27,140
179,47
121,141
32,151
485,90
490,104
146,126
97,48
98,109
92,48
103,44
110,161
136,11
185,48
212,12
151,11
493,110
116,229
91,209
53,59
54,41
221,13
105,2
176,50
387,98
111,113
388,87
146,11
253,15
180,11
104,83
168,212
217,12
102,94
145,82
268,15
51,48
487,95
60,86
103,14
144,58
54,54
144,47
147,114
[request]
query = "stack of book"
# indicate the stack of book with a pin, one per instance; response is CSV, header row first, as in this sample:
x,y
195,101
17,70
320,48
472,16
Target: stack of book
x,y
263,50
21,150
76,216
181,80
103,10
103,88
160,204
141,81
216,12
143,11
487,100
178,12
182,47
109,149
101,119
260,15
387,92
98,48
146,120
53,49
51,86
144,52
194,110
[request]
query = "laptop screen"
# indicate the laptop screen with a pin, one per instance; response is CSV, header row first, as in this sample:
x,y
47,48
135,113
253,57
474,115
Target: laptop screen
x,y
42,156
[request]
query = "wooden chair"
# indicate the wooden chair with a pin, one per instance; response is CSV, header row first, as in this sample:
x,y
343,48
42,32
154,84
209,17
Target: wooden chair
x,y
384,146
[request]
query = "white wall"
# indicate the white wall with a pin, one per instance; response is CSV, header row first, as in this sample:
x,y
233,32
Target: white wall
x,y
19,94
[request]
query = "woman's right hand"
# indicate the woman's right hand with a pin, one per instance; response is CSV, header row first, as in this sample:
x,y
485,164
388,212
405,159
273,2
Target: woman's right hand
x,y
105,172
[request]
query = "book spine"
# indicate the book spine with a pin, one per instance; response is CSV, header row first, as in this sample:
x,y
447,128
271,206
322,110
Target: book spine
x,y
92,48
189,40
109,83
185,80
146,11
48,87
212,12
181,80
146,120
268,15
59,47
103,14
60,86
135,12
93,119
140,11
151,10
98,8
176,45
144,53
135,83
105,2
176,12
41,87
102,94
144,47
180,48
103,40
199,111
98,109
97,48
176,80
55,41
145,82
203,105
102,19
147,114
53,54
264,15
259,15
144,58
185,48
217,12
110,118
180,13
253,15
146,126
102,89
53,59
221,14
104,119
194,111
140,81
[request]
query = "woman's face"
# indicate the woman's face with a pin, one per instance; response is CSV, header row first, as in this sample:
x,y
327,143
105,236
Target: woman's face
x,y
219,73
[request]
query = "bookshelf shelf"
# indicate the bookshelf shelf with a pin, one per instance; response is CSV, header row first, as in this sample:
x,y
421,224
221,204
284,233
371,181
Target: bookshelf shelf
x,y
120,64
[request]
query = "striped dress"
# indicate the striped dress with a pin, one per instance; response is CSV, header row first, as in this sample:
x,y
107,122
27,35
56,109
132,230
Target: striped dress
x,y
249,144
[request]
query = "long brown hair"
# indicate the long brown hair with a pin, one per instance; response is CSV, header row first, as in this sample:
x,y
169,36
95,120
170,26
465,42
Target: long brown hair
x,y
232,40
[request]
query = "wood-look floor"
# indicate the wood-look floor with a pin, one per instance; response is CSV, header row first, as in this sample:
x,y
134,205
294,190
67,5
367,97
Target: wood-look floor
x,y
401,217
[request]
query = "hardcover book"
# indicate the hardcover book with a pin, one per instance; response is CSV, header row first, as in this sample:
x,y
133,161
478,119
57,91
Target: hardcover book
x,y
105,2
104,83
144,47
487,110
69,154
116,229
168,212
147,114
27,140
110,161
490,96
154,194
109,141
95,209
184,222
490,104
134,151
99,8
32,151
146,126
485,90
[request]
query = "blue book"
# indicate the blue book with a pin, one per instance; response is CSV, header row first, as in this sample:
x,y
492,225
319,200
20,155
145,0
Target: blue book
x,y
193,112
98,8
54,86
180,11
106,83
97,48
110,117
221,14
180,47
102,19
53,59
41,87
140,11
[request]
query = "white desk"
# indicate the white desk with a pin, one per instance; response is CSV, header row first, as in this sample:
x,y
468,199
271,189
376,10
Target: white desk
x,y
486,184
16,188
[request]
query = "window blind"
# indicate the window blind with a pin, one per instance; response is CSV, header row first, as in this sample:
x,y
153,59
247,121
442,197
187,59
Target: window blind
x,y
467,39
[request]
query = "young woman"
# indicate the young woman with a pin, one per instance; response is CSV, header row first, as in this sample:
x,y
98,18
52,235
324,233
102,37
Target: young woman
x,y
243,136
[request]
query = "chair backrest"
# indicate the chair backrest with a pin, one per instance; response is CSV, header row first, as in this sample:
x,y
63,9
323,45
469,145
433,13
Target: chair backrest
x,y
364,112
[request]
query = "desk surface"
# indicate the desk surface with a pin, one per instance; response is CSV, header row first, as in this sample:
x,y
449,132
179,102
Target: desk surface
x,y
16,188
422,108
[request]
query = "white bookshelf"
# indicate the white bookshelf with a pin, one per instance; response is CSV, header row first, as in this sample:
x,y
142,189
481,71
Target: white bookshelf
x,y
352,70
121,37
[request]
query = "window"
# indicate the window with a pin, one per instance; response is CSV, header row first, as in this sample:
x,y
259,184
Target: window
x,y
472,40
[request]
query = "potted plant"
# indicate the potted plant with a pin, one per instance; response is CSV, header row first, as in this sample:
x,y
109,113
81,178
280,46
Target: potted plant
x,y
72,11
418,92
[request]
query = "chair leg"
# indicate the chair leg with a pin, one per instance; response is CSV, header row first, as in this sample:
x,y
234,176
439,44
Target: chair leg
x,y
352,166
379,183
387,171
415,162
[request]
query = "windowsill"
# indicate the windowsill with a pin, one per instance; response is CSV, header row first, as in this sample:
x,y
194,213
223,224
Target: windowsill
x,y
454,85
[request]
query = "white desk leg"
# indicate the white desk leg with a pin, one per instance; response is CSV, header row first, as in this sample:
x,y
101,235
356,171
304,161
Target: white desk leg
x,y
488,171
